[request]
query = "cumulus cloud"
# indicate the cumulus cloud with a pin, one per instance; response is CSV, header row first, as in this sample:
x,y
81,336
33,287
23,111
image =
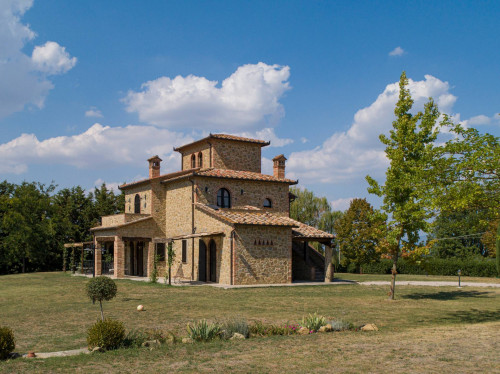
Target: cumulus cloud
x,y
98,147
398,51
246,99
269,135
109,185
93,112
52,59
341,204
23,81
352,154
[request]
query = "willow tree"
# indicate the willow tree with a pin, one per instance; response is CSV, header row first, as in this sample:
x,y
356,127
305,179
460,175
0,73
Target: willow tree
x,y
409,149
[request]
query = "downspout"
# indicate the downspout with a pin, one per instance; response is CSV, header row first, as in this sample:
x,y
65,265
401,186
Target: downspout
x,y
232,256
192,228
210,144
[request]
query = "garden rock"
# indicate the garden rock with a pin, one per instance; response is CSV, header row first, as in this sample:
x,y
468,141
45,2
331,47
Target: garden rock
x,y
237,335
97,349
187,340
303,331
369,327
326,328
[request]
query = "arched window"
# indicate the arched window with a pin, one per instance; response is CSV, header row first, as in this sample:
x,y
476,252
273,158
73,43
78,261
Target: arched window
x,y
193,161
137,204
223,198
200,160
268,203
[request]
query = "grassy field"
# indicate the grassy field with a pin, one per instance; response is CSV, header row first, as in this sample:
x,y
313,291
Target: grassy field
x,y
425,330
409,277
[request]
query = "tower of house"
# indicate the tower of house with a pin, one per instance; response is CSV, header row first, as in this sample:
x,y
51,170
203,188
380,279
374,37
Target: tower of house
x,y
279,166
154,166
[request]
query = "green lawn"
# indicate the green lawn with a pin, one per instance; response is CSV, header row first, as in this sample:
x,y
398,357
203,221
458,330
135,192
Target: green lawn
x,y
408,277
432,327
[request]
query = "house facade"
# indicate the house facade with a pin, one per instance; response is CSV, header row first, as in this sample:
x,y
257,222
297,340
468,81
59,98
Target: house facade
x,y
226,221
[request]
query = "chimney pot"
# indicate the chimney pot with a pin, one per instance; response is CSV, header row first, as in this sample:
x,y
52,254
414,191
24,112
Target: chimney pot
x,y
154,166
279,166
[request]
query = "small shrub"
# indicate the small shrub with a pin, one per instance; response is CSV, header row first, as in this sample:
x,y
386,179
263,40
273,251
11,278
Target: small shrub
x,y
202,331
313,322
230,327
107,334
136,337
7,342
339,325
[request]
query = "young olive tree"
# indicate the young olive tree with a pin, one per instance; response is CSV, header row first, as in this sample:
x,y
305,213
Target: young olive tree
x,y
409,149
101,288
170,261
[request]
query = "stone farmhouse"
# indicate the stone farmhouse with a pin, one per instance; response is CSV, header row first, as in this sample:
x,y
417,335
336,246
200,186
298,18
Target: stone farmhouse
x,y
227,222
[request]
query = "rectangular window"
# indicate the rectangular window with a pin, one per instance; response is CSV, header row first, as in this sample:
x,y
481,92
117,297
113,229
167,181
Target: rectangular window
x,y
160,251
184,251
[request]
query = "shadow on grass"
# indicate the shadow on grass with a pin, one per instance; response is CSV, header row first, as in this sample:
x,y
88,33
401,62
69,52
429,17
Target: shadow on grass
x,y
473,316
446,295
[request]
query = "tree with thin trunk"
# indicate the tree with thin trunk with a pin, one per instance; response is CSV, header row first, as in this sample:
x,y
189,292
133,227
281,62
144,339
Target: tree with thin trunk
x,y
100,289
409,149
170,261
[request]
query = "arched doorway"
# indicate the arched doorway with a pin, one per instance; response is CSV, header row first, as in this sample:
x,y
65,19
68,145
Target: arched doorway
x,y
202,261
213,261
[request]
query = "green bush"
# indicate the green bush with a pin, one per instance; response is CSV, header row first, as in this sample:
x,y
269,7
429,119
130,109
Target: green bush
x,y
340,325
230,327
7,342
107,334
313,322
202,331
473,267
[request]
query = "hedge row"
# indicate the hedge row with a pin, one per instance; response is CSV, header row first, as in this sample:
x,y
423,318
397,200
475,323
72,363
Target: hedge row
x,y
430,266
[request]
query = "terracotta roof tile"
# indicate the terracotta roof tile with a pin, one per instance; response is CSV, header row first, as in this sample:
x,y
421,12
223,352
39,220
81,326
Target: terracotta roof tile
x,y
238,174
305,231
160,178
247,217
263,143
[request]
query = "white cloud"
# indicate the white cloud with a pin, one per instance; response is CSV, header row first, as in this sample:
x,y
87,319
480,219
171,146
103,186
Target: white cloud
x,y
98,147
21,81
269,135
398,51
246,99
304,140
341,204
93,112
478,120
52,59
109,185
352,154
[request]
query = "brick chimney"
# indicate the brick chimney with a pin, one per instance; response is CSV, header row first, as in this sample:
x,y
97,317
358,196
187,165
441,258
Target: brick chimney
x,y
279,166
154,166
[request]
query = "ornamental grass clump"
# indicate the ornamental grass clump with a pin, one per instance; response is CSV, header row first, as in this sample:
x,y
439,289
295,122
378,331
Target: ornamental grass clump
x,y
229,328
340,325
202,331
313,322
108,334
7,342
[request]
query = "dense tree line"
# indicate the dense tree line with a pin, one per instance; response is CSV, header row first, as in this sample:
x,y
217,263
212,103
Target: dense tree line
x,y
36,220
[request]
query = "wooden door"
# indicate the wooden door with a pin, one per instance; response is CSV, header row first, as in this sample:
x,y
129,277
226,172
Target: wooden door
x,y
202,261
213,261
140,259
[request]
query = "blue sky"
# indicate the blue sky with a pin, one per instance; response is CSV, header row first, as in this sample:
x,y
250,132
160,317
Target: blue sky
x,y
90,89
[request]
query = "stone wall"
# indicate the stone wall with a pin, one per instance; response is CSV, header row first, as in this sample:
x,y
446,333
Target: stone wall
x,y
263,255
203,147
144,191
234,155
254,193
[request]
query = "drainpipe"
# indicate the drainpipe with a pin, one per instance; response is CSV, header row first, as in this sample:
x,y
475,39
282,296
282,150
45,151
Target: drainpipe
x,y
210,145
232,257
192,228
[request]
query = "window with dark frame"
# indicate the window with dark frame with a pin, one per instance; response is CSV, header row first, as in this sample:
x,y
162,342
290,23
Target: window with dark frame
x,y
223,198
200,160
137,204
268,203
193,161
160,251
184,251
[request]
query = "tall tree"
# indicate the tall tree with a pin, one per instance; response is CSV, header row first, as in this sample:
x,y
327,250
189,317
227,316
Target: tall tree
x,y
409,150
308,208
358,233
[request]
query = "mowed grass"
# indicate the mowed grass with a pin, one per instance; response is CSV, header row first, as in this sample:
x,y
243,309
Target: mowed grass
x,y
409,277
451,327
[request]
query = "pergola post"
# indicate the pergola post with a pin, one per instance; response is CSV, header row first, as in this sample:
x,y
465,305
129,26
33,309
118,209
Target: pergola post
x,y
328,263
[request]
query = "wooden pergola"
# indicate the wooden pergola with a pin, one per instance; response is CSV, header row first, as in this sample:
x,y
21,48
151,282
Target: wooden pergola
x,y
73,246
